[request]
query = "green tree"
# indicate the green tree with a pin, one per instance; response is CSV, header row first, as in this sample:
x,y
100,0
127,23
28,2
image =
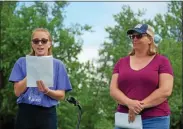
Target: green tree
x,y
118,46
90,83
17,22
171,46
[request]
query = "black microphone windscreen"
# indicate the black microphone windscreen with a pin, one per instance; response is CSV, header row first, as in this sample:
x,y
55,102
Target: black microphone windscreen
x,y
71,100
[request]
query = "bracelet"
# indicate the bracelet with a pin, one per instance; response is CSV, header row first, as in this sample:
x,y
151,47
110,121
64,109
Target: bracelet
x,y
47,91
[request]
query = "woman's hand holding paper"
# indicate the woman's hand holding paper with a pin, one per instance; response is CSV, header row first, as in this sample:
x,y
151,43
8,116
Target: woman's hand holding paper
x,y
42,87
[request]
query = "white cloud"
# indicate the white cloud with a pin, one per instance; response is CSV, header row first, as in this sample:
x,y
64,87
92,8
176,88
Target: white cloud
x,y
96,37
88,53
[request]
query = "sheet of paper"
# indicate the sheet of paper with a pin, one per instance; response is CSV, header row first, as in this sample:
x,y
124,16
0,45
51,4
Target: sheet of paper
x,y
121,120
39,68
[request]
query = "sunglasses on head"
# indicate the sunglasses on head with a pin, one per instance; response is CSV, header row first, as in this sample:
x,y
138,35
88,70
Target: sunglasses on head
x,y
137,36
36,41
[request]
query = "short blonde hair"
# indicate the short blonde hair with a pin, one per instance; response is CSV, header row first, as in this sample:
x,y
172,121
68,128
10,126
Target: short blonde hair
x,y
49,38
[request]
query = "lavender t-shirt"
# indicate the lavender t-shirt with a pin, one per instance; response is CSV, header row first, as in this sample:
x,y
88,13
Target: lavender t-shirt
x,y
32,95
138,84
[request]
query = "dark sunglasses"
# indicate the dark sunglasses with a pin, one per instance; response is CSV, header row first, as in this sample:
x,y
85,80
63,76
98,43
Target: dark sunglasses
x,y
43,41
137,36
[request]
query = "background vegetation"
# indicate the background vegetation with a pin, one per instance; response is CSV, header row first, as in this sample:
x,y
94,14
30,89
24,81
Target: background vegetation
x,y
90,83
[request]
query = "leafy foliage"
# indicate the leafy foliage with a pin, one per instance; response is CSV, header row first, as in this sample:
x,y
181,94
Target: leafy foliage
x,y
90,83
119,45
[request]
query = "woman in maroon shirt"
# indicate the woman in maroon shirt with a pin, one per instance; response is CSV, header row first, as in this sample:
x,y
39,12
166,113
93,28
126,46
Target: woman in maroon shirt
x,y
143,80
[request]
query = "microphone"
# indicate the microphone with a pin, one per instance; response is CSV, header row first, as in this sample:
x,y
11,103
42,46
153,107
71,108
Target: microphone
x,y
72,100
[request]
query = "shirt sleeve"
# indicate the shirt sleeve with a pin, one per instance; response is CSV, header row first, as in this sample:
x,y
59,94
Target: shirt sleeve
x,y
16,73
63,82
165,66
116,67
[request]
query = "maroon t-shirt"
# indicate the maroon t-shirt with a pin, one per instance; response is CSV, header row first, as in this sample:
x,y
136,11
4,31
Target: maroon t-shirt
x,y
138,84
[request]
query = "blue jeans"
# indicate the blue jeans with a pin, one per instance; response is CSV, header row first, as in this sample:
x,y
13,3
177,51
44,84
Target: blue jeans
x,y
155,123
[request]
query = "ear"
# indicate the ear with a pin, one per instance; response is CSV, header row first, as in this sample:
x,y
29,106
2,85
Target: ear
x,y
32,45
49,45
150,41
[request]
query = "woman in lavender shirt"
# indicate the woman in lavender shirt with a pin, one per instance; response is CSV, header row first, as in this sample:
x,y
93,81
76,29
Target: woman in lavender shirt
x,y
37,105
143,80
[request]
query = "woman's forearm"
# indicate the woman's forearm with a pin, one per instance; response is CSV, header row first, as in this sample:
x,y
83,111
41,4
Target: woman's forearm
x,y
155,98
119,96
56,94
160,94
20,87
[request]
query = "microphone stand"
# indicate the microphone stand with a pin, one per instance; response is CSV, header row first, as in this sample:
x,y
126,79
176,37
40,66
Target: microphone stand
x,y
79,115
76,103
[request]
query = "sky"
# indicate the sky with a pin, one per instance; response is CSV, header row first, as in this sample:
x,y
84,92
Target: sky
x,y
99,15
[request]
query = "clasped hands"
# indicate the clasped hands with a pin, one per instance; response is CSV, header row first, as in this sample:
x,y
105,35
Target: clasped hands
x,y
135,107
42,87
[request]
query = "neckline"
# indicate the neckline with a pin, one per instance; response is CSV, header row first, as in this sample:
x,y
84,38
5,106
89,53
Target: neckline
x,y
143,67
